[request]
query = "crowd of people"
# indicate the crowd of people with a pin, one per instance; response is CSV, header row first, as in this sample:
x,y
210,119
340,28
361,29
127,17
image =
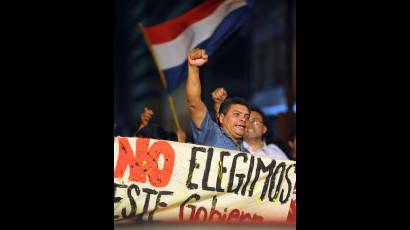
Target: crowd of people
x,y
237,125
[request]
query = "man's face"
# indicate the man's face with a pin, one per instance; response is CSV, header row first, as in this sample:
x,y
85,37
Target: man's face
x,y
255,127
234,121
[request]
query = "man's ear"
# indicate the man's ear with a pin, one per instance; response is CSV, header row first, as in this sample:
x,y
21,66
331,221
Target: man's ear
x,y
290,143
264,130
220,118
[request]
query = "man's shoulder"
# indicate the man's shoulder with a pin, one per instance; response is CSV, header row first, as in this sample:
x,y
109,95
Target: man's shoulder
x,y
274,147
275,151
207,122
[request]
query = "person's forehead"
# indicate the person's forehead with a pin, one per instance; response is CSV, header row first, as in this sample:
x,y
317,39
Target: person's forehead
x,y
256,114
239,107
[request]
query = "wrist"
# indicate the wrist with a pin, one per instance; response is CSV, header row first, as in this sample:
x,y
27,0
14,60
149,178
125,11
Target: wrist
x,y
193,67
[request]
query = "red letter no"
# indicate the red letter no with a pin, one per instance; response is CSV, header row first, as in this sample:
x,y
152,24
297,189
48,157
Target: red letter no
x,y
145,162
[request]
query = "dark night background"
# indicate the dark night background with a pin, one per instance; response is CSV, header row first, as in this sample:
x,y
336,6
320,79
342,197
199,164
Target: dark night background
x,y
255,62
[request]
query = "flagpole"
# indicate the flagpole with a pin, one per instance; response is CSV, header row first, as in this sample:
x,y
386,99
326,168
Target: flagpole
x,y
161,75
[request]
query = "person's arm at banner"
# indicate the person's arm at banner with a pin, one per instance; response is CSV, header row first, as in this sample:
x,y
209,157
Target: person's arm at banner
x,y
181,135
197,109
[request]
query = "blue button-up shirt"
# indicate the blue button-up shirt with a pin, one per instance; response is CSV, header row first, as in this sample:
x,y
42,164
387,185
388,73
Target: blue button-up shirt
x,y
212,134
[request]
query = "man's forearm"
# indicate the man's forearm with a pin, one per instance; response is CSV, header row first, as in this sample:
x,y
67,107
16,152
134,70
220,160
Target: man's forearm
x,y
193,86
216,107
196,107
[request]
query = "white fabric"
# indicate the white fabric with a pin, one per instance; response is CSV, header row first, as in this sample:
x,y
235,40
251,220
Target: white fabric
x,y
271,150
174,52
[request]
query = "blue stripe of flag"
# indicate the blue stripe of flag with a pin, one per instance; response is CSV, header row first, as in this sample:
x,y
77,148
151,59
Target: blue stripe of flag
x,y
178,74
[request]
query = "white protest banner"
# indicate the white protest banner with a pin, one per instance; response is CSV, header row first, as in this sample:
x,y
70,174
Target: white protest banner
x,y
157,180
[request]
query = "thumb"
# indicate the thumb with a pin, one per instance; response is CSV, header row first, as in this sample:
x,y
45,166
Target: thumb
x,y
204,54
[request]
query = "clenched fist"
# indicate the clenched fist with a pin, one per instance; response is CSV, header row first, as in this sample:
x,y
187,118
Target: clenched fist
x,y
197,57
146,116
219,95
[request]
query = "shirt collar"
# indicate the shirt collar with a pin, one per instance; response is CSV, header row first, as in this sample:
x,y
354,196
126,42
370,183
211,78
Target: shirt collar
x,y
247,146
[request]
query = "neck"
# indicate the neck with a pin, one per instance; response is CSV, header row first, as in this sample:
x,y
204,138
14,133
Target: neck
x,y
255,143
293,154
236,141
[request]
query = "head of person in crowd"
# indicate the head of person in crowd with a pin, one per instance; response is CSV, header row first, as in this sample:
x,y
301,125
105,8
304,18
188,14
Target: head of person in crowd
x,y
256,134
233,115
292,144
257,127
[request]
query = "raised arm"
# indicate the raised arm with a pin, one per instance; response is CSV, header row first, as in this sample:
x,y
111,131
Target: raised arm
x,y
197,109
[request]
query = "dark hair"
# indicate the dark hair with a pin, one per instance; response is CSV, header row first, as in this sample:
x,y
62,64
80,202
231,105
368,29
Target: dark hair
x,y
226,104
264,118
157,132
292,135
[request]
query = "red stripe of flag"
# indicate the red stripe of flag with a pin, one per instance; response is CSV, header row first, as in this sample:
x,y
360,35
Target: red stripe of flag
x,y
169,30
